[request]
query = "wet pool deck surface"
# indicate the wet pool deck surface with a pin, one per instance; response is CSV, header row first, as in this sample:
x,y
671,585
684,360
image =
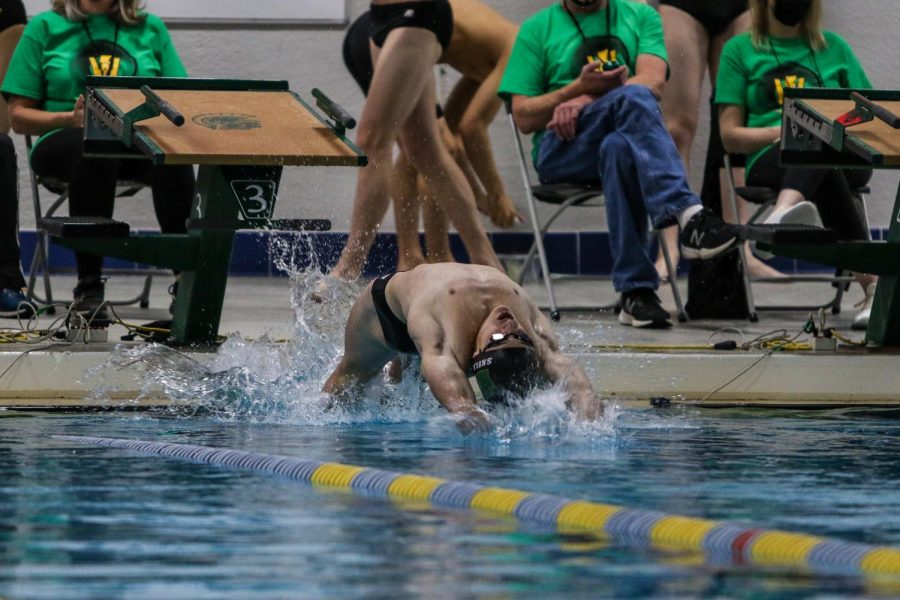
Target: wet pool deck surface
x,y
623,362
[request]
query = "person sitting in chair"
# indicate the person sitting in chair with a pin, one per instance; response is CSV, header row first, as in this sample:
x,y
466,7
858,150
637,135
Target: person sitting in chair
x,y
481,339
786,47
44,87
585,76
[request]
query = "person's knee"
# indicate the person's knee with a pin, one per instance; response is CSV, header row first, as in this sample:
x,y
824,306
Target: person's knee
x,y
682,129
614,145
424,150
638,98
375,142
471,127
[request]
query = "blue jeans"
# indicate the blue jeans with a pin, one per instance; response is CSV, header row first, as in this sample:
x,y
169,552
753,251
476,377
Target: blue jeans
x,y
623,143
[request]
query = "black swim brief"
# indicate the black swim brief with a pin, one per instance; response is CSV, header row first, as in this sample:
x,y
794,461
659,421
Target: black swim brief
x,y
715,15
395,332
434,15
358,55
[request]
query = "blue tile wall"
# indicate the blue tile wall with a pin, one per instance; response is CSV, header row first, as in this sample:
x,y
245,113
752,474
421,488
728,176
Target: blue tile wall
x,y
257,253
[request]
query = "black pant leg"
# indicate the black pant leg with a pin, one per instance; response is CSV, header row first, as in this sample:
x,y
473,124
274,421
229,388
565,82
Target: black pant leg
x,y
92,184
10,257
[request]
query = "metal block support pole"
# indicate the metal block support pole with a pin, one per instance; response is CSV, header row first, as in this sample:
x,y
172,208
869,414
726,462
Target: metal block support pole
x,y
222,193
884,324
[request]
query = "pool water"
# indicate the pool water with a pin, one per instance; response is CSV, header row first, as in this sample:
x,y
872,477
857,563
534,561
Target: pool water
x,y
91,522
84,522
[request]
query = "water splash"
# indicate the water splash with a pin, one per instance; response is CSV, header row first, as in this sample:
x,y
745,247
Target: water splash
x,y
265,380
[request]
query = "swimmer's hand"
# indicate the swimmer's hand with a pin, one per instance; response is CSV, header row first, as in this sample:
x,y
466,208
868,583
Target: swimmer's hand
x,y
565,117
596,83
473,420
586,406
501,210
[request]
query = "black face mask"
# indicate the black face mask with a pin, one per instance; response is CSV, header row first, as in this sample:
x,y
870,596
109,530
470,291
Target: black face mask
x,y
584,3
791,12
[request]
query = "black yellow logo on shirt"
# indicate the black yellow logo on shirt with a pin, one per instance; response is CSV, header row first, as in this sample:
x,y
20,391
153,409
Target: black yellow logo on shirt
x,y
103,59
105,64
601,49
775,81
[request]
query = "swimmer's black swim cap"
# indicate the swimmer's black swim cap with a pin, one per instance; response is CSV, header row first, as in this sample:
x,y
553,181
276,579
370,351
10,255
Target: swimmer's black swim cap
x,y
495,374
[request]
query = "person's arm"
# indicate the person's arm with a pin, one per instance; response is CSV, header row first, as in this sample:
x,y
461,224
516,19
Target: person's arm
x,y
559,368
450,386
443,373
650,71
473,129
533,113
740,139
28,118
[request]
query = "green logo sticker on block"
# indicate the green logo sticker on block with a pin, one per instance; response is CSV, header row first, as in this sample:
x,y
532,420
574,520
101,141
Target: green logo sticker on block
x,y
227,121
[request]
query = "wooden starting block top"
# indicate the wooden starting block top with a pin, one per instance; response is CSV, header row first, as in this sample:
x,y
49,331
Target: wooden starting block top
x,y
238,128
877,135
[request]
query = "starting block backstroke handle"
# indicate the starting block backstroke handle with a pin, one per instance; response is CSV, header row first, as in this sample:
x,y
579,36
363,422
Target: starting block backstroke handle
x,y
866,105
335,111
169,111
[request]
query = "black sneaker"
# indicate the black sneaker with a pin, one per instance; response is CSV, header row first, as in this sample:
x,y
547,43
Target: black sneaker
x,y
706,235
89,300
641,308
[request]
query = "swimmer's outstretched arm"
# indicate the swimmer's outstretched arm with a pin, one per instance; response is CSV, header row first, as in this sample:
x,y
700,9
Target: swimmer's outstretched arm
x,y
558,367
449,385
582,399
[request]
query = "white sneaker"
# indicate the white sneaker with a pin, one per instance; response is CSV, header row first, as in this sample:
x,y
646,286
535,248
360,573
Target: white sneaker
x,y
802,213
861,320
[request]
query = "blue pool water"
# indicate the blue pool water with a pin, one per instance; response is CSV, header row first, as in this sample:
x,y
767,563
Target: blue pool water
x,y
88,522
83,522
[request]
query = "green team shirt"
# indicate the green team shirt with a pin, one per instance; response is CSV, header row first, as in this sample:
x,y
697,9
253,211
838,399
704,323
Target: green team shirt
x,y
755,78
55,55
550,51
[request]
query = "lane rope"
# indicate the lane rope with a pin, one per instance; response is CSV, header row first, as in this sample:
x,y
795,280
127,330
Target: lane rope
x,y
721,542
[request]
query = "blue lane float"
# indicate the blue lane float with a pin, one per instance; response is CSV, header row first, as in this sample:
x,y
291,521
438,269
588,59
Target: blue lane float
x,y
719,541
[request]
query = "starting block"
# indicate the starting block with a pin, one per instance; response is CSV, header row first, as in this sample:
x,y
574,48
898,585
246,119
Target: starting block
x,y
241,134
847,129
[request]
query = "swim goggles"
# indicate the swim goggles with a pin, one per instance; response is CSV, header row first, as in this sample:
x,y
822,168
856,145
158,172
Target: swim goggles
x,y
498,339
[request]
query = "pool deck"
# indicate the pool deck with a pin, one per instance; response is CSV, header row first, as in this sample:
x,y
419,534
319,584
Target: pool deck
x,y
626,363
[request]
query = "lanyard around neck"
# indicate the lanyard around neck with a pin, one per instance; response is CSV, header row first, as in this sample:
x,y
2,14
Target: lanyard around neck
x,y
578,26
812,58
103,71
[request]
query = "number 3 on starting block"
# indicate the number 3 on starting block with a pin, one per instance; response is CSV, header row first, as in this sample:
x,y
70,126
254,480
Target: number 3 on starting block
x,y
256,198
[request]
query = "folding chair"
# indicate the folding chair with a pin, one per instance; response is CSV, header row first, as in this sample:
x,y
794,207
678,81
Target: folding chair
x,y
765,198
40,260
565,196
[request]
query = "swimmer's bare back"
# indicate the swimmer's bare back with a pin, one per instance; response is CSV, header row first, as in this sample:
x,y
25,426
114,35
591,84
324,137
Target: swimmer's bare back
x,y
461,296
482,37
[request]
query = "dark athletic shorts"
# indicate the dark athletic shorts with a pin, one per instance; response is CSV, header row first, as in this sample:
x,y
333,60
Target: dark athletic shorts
x,y
714,15
395,332
358,55
434,15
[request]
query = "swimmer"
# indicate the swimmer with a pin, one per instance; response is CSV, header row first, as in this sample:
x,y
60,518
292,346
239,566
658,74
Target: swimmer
x,y
408,39
479,335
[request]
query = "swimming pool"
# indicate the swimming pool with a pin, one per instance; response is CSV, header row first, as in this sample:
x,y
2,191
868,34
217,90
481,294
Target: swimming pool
x,y
89,522
101,523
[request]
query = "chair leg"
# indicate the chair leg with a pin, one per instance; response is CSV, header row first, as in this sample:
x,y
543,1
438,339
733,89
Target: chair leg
x,y
672,270
742,257
538,235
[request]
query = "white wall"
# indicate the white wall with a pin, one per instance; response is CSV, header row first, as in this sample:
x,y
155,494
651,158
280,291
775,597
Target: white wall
x,y
312,58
